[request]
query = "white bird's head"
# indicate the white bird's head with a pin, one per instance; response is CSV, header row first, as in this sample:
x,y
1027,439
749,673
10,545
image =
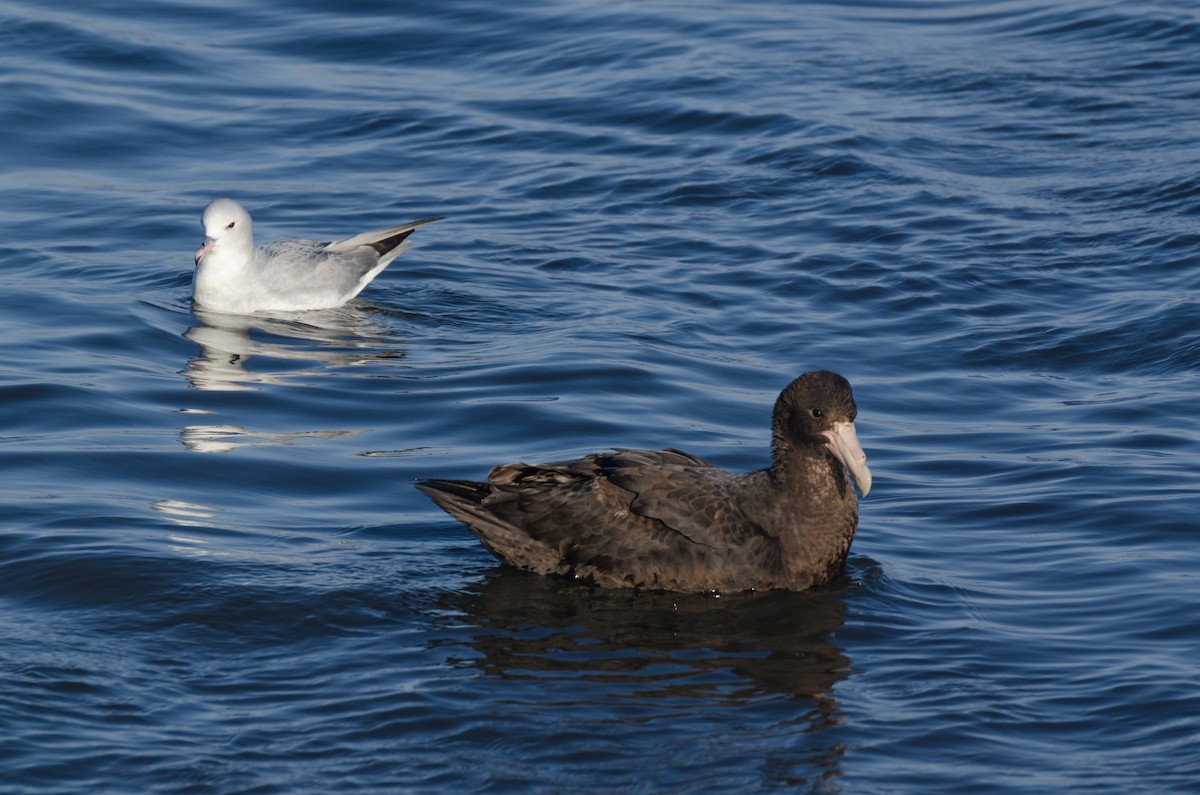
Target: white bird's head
x,y
227,229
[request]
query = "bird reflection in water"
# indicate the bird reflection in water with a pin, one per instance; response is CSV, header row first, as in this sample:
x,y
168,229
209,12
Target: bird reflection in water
x,y
286,347
637,657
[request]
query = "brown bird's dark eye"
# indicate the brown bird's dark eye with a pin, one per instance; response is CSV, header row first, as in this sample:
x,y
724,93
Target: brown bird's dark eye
x,y
231,223
818,413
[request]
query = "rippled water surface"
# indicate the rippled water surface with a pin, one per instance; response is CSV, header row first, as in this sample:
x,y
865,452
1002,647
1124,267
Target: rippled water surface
x,y
216,576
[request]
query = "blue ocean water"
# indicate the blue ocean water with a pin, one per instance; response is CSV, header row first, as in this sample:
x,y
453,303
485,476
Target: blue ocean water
x,y
216,577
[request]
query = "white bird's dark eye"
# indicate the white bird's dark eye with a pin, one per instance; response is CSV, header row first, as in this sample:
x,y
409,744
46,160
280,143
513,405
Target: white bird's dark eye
x,y
231,223
818,413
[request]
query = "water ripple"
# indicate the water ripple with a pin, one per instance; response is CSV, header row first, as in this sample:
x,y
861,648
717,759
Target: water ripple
x,y
215,572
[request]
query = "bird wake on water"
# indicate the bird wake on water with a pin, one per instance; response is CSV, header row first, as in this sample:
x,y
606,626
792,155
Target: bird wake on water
x,y
237,277
667,520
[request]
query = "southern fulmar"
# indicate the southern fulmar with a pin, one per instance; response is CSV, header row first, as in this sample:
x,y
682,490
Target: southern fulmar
x,y
237,277
668,520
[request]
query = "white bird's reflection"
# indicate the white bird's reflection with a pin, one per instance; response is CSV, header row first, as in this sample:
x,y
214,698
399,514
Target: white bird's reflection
x,y
288,347
187,514
224,438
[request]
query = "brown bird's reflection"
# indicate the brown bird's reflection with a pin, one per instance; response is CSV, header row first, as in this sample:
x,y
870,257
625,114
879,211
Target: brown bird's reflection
x,y
685,651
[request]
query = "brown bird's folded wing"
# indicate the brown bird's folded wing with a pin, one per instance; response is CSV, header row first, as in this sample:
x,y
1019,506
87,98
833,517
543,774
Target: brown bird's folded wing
x,y
657,519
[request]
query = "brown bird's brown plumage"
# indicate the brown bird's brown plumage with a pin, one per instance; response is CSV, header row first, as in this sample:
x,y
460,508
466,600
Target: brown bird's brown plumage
x,y
668,520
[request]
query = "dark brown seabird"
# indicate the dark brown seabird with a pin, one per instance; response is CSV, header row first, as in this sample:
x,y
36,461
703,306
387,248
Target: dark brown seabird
x,y
668,520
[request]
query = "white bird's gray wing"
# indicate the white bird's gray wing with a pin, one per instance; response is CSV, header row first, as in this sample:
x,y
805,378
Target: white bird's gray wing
x,y
307,273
